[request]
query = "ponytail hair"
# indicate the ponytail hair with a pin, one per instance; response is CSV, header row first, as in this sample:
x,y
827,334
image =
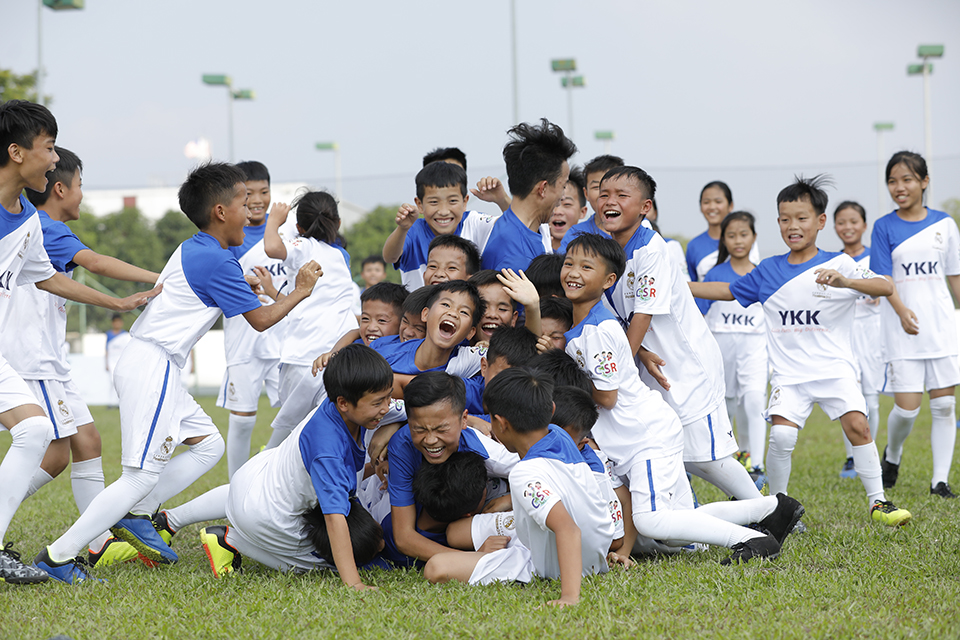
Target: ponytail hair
x,y
318,217
746,216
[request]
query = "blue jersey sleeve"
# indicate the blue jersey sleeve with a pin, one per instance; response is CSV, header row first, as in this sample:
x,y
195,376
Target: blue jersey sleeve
x,y
746,290
327,463
475,387
881,259
230,291
404,462
61,245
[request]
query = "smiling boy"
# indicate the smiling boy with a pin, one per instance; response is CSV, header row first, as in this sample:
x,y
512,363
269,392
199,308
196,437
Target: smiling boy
x,y
450,258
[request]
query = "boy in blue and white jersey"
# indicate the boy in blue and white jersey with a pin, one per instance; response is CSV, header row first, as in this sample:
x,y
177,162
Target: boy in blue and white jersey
x,y
593,173
253,358
442,198
201,280
808,299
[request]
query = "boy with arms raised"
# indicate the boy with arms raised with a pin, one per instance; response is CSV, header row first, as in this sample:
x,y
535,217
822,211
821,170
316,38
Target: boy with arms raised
x,y
202,280
593,173
808,297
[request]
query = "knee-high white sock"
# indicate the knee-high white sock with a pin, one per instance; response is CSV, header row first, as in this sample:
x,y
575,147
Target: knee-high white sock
x,y
182,471
31,437
728,475
681,527
86,478
847,446
866,461
753,403
783,439
741,512
278,436
733,415
873,414
239,436
212,505
39,479
943,435
110,506
899,426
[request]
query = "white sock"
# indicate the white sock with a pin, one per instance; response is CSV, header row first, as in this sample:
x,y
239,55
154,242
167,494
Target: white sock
x,y
31,437
783,439
681,527
728,475
866,461
210,506
741,512
847,446
86,478
239,436
873,414
39,479
899,426
753,404
106,510
743,432
278,436
943,435
182,471
732,414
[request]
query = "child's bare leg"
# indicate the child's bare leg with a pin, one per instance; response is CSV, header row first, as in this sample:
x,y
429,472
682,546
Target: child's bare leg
x,y
454,565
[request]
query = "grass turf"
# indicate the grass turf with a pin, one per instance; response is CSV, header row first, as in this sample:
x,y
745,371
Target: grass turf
x,y
847,577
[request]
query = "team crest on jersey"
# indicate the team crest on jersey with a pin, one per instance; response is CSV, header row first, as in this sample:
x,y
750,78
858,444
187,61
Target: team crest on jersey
x,y
581,362
631,282
606,366
647,289
775,397
232,391
821,291
938,240
537,493
166,450
505,523
26,243
64,411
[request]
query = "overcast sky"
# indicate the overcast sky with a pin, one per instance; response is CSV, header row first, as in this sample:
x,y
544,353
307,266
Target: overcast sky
x,y
745,91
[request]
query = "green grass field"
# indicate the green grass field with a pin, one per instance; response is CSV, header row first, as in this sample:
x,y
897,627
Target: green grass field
x,y
847,577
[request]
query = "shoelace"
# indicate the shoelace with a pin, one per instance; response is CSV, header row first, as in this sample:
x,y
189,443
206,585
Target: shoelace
x,y
8,550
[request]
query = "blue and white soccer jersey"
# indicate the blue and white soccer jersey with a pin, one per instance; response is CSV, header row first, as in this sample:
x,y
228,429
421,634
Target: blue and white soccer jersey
x,y
318,464
702,254
808,334
253,358
512,244
200,281
401,356
587,226
866,338
474,226
679,335
741,335
917,256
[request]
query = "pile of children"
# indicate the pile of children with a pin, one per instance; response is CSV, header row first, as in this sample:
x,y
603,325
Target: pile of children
x,y
535,377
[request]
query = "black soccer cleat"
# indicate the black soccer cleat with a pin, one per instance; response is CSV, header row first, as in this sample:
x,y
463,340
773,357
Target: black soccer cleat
x,y
943,490
765,547
784,518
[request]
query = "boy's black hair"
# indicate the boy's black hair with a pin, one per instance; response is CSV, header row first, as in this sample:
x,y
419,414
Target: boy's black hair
x,y
486,277
416,301
469,250
517,344
574,409
254,170
722,252
648,186
67,165
116,316
390,292
355,371
579,180
366,534
723,186
557,309
807,190
446,153
439,175
601,164
208,185
535,153
460,286
850,204
544,272
563,370
433,387
604,248
22,122
451,490
522,396
913,161
319,217
376,258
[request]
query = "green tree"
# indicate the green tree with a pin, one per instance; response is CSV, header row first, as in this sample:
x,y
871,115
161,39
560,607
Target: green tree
x,y
17,87
172,229
367,236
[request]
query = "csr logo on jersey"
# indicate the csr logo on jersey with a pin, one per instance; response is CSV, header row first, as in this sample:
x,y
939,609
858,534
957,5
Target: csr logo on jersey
x,y
928,268
606,366
537,493
616,512
646,290
800,317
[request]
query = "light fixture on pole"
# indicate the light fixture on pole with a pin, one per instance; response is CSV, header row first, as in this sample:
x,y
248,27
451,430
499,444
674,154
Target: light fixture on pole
x,y
882,191
222,80
56,5
925,52
567,66
335,147
607,137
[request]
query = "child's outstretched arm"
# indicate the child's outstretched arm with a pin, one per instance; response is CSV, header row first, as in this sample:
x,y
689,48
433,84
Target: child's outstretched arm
x,y
524,292
348,338
393,247
264,317
711,290
874,287
272,242
113,268
568,553
409,542
490,189
61,285
342,549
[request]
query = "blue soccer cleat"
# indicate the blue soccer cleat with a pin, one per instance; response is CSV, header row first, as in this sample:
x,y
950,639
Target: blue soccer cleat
x,y
138,531
72,571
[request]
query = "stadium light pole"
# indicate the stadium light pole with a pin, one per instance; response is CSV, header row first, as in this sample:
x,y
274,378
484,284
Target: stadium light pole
x,y
56,5
335,147
222,80
880,128
513,60
607,137
925,52
567,66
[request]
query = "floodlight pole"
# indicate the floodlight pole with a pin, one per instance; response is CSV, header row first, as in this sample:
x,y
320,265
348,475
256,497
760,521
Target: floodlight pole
x,y
882,191
925,52
223,80
513,59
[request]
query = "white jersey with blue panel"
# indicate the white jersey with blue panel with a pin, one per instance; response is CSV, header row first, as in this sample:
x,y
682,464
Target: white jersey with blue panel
x,y
602,476
200,280
587,226
640,426
652,284
512,245
808,324
729,316
702,255
37,350
918,256
474,226
867,307
464,361
23,260
553,472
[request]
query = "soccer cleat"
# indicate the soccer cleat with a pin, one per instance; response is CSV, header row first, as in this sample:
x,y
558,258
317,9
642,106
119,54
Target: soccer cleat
x,y
889,514
764,547
784,518
800,528
848,471
114,551
72,571
163,527
138,531
888,471
14,571
943,490
223,557
759,478
743,457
